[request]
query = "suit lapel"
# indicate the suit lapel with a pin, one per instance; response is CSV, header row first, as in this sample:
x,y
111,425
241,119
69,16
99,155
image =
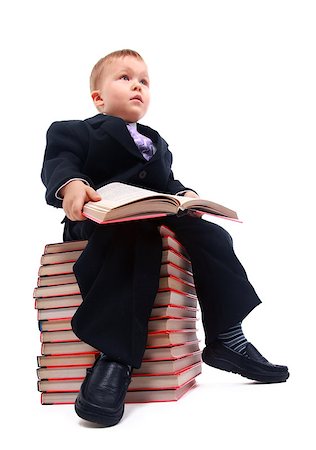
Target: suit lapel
x,y
116,127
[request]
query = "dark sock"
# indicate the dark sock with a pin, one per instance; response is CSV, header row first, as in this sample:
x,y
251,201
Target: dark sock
x,y
234,338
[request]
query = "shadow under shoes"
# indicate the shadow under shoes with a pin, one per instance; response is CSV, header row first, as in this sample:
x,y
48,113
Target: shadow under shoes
x,y
102,394
251,365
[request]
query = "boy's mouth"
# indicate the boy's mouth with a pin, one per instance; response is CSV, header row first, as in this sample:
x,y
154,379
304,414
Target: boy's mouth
x,y
137,97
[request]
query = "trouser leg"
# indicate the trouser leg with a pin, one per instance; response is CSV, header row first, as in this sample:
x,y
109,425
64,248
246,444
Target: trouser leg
x,y
118,276
225,294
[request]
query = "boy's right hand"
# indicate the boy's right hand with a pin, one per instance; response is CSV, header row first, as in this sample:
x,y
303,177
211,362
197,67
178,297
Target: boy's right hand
x,y
75,195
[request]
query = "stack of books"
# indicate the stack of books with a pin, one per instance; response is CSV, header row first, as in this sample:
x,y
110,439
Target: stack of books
x,y
172,357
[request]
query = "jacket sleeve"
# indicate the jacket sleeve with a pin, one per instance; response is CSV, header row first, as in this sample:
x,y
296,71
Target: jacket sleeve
x,y
175,186
65,154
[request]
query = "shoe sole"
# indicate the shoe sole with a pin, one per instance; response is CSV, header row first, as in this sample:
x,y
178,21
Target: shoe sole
x,y
86,411
228,366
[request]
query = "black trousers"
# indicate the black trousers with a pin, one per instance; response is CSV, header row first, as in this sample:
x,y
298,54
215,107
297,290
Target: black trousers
x,y
118,275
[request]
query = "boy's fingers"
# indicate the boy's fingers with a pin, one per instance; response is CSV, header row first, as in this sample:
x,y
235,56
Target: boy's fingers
x,y
75,211
79,216
93,195
73,204
196,213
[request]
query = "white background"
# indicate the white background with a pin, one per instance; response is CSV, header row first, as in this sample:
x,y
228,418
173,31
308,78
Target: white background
x,y
233,93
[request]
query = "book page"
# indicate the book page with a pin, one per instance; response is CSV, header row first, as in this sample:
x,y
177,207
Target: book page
x,y
206,206
117,194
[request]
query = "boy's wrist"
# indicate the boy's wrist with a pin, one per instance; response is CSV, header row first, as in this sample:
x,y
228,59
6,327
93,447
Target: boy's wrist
x,y
191,194
60,193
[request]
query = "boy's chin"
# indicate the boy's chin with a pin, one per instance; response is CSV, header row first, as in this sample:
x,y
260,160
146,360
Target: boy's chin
x,y
126,116
132,117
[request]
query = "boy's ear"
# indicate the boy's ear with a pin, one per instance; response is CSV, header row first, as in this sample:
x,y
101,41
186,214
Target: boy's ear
x,y
97,99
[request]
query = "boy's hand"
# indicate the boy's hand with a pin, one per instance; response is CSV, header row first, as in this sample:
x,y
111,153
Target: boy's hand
x,y
193,213
75,194
191,194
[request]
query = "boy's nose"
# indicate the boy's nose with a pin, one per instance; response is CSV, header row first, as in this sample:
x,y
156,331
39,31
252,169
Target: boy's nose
x,y
136,85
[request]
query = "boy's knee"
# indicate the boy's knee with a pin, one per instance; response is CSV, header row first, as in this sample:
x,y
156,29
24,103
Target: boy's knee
x,y
215,233
224,235
228,237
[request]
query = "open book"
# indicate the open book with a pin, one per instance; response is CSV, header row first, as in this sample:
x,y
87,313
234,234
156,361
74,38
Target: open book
x,y
122,202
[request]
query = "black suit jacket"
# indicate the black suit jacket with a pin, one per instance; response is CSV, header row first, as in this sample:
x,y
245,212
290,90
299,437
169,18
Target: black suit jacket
x,y
118,272
101,150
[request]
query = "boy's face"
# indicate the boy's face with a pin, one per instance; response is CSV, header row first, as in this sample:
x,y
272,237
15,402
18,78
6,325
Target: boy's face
x,y
124,89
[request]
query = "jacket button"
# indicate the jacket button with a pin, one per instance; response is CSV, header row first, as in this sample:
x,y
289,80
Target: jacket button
x,y
142,174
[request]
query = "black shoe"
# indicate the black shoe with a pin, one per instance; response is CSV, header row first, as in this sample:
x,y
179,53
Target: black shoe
x,y
251,365
102,394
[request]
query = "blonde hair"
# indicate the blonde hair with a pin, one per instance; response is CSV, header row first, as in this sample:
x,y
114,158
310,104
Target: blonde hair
x,y
100,66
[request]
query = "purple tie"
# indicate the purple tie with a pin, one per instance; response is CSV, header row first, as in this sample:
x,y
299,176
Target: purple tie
x,y
143,143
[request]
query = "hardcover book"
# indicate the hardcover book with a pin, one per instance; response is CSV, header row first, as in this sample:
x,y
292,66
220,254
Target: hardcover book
x,y
66,278
66,258
122,202
171,304
87,359
161,395
157,324
148,367
169,282
140,382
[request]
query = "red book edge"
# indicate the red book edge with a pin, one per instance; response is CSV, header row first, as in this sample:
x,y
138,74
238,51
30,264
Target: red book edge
x,y
163,234
168,263
186,330
187,308
65,242
54,307
192,381
179,280
85,366
47,357
77,292
153,319
91,352
96,353
126,219
185,294
177,254
71,275
173,238
168,232
134,375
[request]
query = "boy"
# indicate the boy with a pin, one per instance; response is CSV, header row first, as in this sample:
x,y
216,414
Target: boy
x,y
118,273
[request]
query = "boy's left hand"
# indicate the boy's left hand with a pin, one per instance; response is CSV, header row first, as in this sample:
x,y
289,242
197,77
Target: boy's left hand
x,y
191,194
194,195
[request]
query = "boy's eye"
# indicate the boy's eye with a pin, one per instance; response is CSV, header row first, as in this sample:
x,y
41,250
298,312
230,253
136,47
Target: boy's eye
x,y
124,77
145,82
